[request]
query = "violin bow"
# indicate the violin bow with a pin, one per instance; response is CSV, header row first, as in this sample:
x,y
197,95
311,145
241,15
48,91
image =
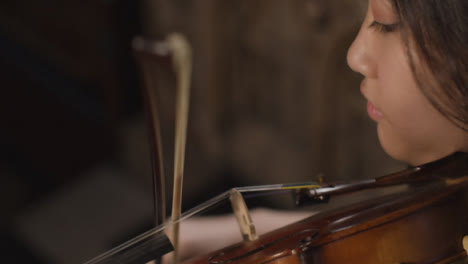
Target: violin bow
x,y
182,63
178,49
159,51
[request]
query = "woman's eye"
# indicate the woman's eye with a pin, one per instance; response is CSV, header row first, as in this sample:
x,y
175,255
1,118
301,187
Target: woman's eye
x,y
385,28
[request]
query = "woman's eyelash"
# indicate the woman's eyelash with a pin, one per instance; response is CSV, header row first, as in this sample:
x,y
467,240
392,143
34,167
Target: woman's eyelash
x,y
384,28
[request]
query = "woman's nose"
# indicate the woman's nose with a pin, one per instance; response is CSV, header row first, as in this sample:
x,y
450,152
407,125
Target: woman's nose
x,y
360,55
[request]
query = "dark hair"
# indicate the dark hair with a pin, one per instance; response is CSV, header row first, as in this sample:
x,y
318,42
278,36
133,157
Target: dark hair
x,y
439,31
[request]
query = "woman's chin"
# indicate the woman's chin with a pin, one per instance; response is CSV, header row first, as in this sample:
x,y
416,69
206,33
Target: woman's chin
x,y
396,147
411,152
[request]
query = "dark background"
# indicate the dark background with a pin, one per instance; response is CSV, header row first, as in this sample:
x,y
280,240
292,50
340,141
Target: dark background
x,y
68,80
273,101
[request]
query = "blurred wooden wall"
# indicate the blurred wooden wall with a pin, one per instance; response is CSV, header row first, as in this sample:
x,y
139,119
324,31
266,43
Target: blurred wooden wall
x,y
273,98
273,101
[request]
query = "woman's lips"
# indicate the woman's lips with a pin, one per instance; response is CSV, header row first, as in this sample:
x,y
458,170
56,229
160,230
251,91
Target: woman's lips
x,y
373,112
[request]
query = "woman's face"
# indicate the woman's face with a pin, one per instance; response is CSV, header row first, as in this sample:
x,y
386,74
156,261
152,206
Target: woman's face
x,y
410,129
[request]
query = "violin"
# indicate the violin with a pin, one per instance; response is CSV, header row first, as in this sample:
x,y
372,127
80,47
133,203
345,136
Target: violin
x,y
419,216
425,223
425,220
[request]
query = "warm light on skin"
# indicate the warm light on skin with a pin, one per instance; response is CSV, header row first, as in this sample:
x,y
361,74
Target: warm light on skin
x,y
410,129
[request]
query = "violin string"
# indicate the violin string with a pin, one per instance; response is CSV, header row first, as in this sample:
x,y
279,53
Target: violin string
x,y
192,212
158,230
277,187
265,194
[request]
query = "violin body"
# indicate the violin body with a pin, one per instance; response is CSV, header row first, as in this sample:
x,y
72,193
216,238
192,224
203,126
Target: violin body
x,y
425,223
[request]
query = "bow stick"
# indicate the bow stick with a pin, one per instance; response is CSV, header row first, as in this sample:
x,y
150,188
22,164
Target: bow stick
x,y
159,51
180,52
182,63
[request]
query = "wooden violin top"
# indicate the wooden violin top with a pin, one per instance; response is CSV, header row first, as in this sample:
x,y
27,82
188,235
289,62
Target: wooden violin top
x,y
424,223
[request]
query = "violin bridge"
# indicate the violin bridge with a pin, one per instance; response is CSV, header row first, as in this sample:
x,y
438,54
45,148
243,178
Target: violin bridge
x,y
241,212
